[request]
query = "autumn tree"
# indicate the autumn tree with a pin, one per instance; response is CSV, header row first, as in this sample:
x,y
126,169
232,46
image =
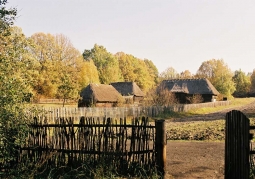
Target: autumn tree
x,y
152,70
144,79
127,66
106,63
219,74
242,83
43,50
88,73
185,75
143,72
169,73
59,65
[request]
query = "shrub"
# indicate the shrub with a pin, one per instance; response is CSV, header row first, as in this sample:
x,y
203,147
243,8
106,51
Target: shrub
x,y
161,97
195,98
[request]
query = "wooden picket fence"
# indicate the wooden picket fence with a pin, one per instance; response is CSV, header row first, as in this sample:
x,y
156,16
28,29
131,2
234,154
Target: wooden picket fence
x,y
120,143
237,146
121,112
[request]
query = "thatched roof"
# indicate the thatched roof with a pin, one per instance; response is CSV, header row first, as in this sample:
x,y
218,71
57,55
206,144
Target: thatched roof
x,y
100,93
190,86
127,88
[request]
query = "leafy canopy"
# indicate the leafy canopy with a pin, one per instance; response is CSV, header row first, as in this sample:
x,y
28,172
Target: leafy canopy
x,y
219,74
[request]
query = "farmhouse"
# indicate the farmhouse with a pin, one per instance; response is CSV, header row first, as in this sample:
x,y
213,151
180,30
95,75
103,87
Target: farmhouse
x,y
99,95
130,91
185,88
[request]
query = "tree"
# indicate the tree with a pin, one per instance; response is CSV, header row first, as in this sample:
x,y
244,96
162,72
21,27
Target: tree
x,y
242,83
88,73
144,79
66,89
7,17
106,63
143,72
13,89
127,66
169,73
207,70
152,70
160,96
186,75
44,51
58,59
252,79
218,73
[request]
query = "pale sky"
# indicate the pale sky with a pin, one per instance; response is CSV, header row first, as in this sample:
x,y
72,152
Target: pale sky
x,y
172,33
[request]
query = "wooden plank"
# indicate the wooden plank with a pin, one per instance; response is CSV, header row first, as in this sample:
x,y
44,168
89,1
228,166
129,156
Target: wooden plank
x,y
236,146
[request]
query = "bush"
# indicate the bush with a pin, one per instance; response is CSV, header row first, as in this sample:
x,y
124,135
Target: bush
x,y
161,97
195,98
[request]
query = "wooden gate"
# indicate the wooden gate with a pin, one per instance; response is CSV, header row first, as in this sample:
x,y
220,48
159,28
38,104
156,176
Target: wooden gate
x,y
237,145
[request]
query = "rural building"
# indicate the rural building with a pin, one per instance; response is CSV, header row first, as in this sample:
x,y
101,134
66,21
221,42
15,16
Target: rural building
x,y
185,88
99,95
130,91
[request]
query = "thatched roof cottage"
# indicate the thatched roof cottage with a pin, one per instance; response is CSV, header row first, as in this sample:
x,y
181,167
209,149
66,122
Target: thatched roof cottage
x,y
184,88
99,95
130,91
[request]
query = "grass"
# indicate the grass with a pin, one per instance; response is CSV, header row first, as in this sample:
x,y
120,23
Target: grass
x,y
199,130
236,102
102,169
202,130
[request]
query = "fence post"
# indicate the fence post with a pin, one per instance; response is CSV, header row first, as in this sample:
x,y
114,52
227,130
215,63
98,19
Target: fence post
x,y
161,146
237,146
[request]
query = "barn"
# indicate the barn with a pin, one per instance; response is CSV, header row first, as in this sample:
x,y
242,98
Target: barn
x,y
99,95
185,88
130,91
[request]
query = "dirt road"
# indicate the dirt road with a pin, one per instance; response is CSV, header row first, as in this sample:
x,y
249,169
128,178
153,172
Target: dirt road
x,y
192,160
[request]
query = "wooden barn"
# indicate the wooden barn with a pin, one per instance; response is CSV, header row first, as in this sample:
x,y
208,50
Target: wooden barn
x,y
130,91
99,95
185,88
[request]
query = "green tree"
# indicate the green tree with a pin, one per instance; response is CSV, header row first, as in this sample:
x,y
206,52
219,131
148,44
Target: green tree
x,y
252,79
66,90
13,90
7,17
106,63
219,74
242,83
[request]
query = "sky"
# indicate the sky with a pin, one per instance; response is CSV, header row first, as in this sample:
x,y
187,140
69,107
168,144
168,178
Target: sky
x,y
171,33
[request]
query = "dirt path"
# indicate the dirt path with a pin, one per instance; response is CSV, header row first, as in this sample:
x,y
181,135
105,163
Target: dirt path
x,y
192,160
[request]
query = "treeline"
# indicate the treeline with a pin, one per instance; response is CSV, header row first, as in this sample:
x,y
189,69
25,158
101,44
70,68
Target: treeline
x,y
53,68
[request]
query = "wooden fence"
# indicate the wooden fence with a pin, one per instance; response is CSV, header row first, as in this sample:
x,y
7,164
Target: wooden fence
x,y
237,146
120,143
121,112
